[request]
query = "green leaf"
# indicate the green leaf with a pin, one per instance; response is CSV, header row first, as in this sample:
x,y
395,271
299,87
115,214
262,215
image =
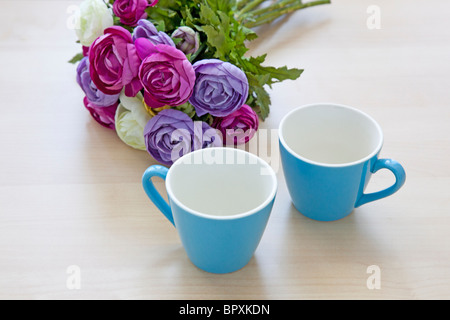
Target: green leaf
x,y
161,26
249,34
254,65
188,18
76,58
176,40
262,102
258,99
221,5
258,77
216,25
218,40
186,108
165,18
208,15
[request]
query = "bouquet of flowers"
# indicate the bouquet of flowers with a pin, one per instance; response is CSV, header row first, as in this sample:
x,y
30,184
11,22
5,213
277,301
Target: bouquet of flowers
x,y
171,76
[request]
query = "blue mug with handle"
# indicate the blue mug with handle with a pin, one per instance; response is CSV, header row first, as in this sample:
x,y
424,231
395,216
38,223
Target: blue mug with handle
x,y
328,153
220,200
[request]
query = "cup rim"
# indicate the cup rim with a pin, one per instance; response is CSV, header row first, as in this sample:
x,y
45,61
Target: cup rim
x,y
330,165
269,198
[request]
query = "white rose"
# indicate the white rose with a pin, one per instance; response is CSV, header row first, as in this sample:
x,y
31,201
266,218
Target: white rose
x,y
91,20
131,119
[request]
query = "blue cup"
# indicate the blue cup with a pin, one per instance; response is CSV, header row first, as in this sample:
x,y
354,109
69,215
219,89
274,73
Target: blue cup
x,y
328,154
220,200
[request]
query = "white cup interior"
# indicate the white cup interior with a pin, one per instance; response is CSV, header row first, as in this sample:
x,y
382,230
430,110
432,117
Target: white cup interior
x,y
221,182
330,134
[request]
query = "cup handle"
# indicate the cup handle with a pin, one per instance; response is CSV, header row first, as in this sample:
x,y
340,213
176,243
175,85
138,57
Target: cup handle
x,y
152,193
400,177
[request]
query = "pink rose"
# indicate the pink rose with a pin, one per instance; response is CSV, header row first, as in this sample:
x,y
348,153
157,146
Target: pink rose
x,y
85,51
165,73
103,115
114,62
130,11
239,127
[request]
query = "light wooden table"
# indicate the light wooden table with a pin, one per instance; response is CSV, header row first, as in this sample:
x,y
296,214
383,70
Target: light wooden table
x,y
70,192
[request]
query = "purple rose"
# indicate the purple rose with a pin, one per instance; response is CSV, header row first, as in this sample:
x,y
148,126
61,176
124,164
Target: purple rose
x,y
114,62
130,11
103,115
94,95
190,40
205,136
165,73
171,134
239,127
220,88
146,29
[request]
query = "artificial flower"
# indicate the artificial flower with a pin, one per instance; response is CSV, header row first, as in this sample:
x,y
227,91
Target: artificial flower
x,y
239,127
103,115
91,20
205,136
172,134
190,40
130,11
94,95
165,73
146,29
85,51
131,118
114,62
220,89
154,111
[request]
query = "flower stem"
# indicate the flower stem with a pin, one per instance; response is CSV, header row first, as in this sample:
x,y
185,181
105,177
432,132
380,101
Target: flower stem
x,y
241,3
250,6
278,5
199,51
276,11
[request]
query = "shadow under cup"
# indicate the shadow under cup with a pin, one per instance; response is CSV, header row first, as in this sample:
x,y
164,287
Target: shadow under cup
x,y
220,203
328,153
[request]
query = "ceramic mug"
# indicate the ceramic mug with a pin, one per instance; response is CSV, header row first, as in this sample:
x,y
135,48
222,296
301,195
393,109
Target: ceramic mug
x,y
220,200
328,154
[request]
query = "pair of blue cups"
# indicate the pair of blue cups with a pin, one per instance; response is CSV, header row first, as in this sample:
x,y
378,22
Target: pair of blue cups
x,y
220,199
